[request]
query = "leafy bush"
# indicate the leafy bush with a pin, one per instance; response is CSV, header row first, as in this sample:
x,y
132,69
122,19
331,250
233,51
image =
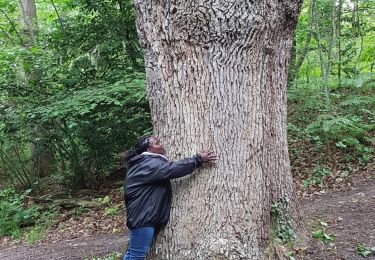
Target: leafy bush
x,y
13,215
84,106
348,122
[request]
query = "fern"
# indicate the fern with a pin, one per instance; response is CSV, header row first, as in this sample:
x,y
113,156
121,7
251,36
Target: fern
x,y
360,81
337,128
358,101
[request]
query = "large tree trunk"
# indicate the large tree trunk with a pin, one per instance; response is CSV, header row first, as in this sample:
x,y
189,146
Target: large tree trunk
x,y
217,75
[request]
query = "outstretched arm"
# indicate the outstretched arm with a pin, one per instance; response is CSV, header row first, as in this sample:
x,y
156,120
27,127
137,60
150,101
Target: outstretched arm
x,y
172,170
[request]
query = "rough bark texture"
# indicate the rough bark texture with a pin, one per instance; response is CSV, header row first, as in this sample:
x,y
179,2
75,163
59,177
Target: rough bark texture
x,y
217,74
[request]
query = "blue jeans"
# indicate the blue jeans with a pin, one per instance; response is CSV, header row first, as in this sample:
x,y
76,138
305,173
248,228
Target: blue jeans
x,y
139,243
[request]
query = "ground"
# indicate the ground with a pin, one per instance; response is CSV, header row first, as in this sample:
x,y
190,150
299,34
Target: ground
x,y
346,214
80,248
349,215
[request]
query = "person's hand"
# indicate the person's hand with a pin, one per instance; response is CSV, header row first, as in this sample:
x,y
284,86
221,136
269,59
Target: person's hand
x,y
208,156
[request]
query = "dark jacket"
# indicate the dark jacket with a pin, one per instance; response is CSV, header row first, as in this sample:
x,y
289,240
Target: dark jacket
x,y
148,192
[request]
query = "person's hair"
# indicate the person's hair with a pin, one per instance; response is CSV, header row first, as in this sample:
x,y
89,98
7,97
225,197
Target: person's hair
x,y
140,146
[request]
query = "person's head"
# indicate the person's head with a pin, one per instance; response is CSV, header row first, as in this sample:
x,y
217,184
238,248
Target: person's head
x,y
155,146
146,144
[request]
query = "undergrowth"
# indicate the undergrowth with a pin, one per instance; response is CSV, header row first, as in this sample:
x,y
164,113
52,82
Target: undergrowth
x,y
16,219
343,127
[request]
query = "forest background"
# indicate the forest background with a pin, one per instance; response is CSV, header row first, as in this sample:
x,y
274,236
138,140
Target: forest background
x,y
73,99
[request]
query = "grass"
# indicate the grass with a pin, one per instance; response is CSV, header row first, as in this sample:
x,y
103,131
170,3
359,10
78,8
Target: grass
x,y
35,234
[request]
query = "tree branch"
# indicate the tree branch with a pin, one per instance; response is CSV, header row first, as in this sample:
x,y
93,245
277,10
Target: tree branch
x,y
7,36
13,26
59,17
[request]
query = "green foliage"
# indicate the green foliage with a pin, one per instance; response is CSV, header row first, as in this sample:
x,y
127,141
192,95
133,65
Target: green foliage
x,y
291,256
317,178
104,201
337,128
320,234
17,219
112,211
13,215
281,220
352,40
78,100
364,251
35,234
75,99
348,123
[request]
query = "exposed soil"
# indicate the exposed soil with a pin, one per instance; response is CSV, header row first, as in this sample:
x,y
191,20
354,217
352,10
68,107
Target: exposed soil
x,y
72,249
76,234
349,215
350,218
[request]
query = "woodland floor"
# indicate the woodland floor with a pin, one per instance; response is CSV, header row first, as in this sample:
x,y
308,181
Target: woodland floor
x,y
350,218
348,213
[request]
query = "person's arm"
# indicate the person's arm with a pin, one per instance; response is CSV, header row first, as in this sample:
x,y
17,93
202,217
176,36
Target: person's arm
x,y
163,170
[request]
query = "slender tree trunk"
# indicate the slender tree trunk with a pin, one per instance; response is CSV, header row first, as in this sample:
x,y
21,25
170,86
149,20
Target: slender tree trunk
x,y
216,77
338,24
323,66
355,33
28,21
307,69
358,33
297,62
327,73
130,44
320,47
292,62
41,152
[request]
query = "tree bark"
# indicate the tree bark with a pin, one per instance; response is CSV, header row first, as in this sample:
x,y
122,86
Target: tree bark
x,y
216,76
28,21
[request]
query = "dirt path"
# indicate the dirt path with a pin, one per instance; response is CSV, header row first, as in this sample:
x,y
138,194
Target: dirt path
x,y
350,216
73,249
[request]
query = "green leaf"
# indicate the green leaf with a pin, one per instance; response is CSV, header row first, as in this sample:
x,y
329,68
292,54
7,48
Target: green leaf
x,y
364,251
328,237
317,234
